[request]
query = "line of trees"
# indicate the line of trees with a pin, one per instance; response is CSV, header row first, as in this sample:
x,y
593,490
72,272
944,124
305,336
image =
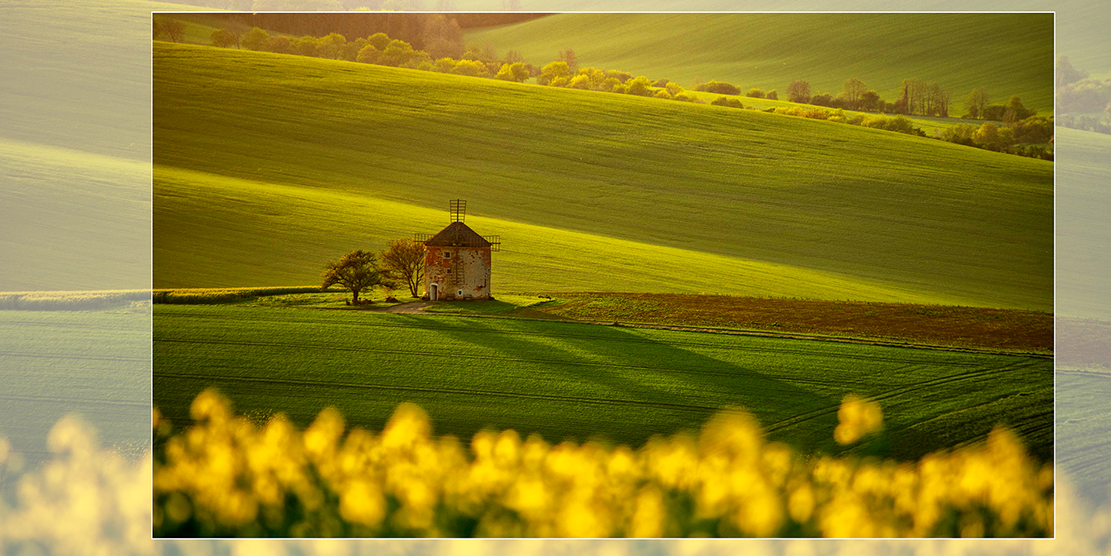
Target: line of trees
x,y
1021,129
1084,101
401,263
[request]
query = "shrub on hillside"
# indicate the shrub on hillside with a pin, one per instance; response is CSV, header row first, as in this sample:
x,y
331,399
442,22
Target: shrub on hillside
x,y
369,55
552,72
621,76
280,45
255,39
639,86
222,38
726,101
755,93
516,71
473,68
718,87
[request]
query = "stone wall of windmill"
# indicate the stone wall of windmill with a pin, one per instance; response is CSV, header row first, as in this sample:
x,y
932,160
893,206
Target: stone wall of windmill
x,y
457,260
457,272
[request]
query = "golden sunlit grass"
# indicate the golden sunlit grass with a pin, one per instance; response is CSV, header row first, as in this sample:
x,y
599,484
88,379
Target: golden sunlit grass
x,y
226,477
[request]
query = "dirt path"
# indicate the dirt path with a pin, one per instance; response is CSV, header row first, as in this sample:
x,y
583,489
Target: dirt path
x,y
414,307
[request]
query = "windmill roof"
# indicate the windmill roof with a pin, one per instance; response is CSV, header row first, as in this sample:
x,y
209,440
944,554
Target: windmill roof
x,y
457,234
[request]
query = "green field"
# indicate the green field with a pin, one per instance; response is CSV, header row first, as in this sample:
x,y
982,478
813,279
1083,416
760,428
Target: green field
x,y
95,364
588,191
1010,54
570,380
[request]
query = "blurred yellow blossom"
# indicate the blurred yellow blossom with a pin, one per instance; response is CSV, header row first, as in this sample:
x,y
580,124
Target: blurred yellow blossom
x,y
224,476
858,417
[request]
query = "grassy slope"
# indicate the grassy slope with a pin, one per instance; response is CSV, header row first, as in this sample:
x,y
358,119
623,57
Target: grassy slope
x,y
75,146
92,363
578,380
1007,53
1082,224
569,179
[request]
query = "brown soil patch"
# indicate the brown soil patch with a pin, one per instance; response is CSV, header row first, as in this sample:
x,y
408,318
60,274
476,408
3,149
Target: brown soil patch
x,y
964,327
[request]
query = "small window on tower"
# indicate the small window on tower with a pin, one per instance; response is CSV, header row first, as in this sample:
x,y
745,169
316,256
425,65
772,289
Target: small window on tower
x,y
447,254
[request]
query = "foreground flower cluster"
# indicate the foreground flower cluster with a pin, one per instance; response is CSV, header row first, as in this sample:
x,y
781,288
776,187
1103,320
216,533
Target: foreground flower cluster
x,y
226,477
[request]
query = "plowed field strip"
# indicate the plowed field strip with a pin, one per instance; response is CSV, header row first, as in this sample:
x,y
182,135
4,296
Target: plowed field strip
x,y
73,401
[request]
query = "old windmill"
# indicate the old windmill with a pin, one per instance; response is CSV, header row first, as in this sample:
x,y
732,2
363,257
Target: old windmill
x,y
457,259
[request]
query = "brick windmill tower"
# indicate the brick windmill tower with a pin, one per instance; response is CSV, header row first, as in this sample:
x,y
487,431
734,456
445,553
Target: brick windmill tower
x,y
457,260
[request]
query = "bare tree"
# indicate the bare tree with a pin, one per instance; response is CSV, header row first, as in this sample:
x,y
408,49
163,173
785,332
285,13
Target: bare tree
x,y
798,91
977,101
853,90
173,29
403,260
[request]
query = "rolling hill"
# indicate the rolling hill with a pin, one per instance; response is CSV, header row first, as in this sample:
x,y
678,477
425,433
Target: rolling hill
x,y
1010,54
266,166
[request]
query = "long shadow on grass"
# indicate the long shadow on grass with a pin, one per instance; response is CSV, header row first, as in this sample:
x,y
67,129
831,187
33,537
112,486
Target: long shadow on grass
x,y
584,381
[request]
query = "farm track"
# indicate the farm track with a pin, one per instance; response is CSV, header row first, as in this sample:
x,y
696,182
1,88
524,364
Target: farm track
x,y
424,354
79,357
74,401
643,341
891,393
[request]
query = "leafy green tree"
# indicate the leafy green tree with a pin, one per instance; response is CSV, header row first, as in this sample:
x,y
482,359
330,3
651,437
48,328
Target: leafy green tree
x,y
397,54
306,46
330,46
621,76
355,272
1014,111
369,55
255,39
279,44
516,71
379,41
639,86
553,71
987,136
755,93
595,77
473,68
403,261
798,91
772,95
222,38
870,101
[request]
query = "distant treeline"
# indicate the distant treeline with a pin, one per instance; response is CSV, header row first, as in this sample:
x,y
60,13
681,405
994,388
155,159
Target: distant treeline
x,y
1022,133
70,301
1087,100
223,295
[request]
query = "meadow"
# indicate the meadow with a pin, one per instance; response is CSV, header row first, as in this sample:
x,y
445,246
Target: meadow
x,y
769,50
583,381
56,362
650,195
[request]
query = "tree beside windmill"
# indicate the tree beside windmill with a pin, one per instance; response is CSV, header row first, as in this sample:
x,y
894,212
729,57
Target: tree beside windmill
x,y
457,260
